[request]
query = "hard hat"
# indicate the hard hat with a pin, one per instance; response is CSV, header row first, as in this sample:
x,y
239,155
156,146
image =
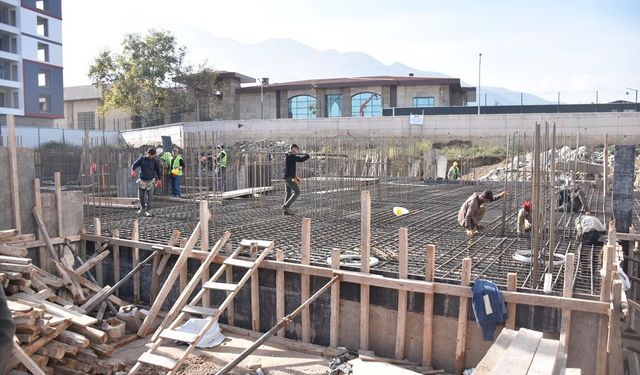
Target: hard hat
x,y
488,194
527,205
159,151
455,163
175,171
400,211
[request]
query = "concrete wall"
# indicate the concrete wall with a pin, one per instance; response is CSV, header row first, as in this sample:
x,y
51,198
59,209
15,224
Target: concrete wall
x,y
439,93
26,175
622,127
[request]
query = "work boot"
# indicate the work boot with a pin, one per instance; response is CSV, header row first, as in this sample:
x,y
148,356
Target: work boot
x,y
148,214
139,212
287,212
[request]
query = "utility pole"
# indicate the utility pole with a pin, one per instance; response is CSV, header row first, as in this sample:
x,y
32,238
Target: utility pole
x,y
479,71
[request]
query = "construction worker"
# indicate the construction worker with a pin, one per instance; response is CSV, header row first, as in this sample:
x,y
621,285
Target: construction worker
x,y
474,208
150,178
177,166
166,168
221,161
7,330
454,172
291,180
589,229
570,199
524,218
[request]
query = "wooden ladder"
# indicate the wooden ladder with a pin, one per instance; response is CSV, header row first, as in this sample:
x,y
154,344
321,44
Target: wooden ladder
x,y
182,310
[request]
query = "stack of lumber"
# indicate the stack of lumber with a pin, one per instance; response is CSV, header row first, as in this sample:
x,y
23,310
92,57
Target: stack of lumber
x,y
52,328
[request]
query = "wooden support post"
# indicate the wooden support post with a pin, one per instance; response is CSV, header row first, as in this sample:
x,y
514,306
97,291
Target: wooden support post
x,y
13,169
255,291
305,279
97,229
512,286
567,292
157,261
205,215
58,186
463,317
135,235
427,325
83,244
334,328
184,270
403,272
116,260
228,274
616,362
365,252
43,258
279,291
605,296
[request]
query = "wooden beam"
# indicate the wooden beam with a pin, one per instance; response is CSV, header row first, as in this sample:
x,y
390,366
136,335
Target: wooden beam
x,y
97,228
92,286
25,359
512,286
427,324
567,292
205,215
13,172
279,291
42,251
155,275
463,318
58,191
616,362
334,321
605,296
135,260
403,273
228,274
305,280
255,291
168,284
116,261
365,253
96,258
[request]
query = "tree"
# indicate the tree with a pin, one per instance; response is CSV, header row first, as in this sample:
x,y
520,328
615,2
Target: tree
x,y
140,78
202,89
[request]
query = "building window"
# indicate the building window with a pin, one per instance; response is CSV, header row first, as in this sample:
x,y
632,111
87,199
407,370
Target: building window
x,y
423,101
42,4
86,120
44,102
16,100
43,78
302,106
334,105
366,104
43,52
42,27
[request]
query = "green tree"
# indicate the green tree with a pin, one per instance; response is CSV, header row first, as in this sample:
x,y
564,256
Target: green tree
x,y
140,78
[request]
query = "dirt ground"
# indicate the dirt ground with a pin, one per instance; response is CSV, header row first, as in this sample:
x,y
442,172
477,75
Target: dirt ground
x,y
273,360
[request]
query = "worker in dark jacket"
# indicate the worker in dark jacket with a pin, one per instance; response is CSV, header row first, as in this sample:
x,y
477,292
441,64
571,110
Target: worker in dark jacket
x,y
7,330
291,181
150,177
473,209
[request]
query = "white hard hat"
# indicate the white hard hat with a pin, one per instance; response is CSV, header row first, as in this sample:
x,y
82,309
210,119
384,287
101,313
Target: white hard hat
x,y
159,150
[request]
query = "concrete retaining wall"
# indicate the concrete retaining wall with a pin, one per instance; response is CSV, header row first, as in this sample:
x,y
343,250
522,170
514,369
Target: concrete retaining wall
x,y
622,127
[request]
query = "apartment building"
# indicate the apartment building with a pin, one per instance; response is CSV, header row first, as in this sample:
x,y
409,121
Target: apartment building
x,y
31,86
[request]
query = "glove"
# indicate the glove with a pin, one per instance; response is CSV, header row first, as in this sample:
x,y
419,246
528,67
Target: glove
x,y
297,179
159,184
133,174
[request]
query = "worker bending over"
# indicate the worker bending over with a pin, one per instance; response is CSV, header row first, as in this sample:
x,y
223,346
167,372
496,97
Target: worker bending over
x,y
474,208
524,218
589,229
291,181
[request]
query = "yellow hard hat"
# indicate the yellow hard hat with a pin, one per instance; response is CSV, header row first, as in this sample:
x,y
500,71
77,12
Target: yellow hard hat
x,y
400,211
175,171
455,163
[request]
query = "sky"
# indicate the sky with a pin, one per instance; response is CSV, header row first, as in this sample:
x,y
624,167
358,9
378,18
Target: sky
x,y
540,47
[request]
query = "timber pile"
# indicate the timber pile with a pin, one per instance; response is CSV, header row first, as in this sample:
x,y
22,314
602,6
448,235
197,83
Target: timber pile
x,y
51,326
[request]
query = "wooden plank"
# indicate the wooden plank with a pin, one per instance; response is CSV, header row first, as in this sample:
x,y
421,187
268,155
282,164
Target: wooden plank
x,y
334,321
135,260
605,296
255,291
199,310
158,360
567,292
55,309
261,243
403,270
93,287
544,360
116,262
170,334
42,253
495,352
13,172
517,358
24,357
97,228
463,318
512,286
239,263
58,192
305,280
616,364
365,253
165,258
91,302
228,275
427,325
205,215
220,286
96,258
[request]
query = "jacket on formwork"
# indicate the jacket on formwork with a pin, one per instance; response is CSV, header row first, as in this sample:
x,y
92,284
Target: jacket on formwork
x,y
222,159
149,168
177,164
488,307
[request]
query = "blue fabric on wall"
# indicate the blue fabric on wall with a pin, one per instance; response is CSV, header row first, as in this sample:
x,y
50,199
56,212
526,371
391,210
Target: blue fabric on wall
x,y
488,322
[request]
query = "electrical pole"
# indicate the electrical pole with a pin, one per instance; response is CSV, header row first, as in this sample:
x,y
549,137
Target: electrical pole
x,y
479,91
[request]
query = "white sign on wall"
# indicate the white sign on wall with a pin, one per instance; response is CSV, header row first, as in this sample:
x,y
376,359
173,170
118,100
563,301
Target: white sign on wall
x,y
416,120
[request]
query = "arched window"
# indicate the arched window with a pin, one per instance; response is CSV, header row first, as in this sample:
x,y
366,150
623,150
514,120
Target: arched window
x,y
366,104
302,106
